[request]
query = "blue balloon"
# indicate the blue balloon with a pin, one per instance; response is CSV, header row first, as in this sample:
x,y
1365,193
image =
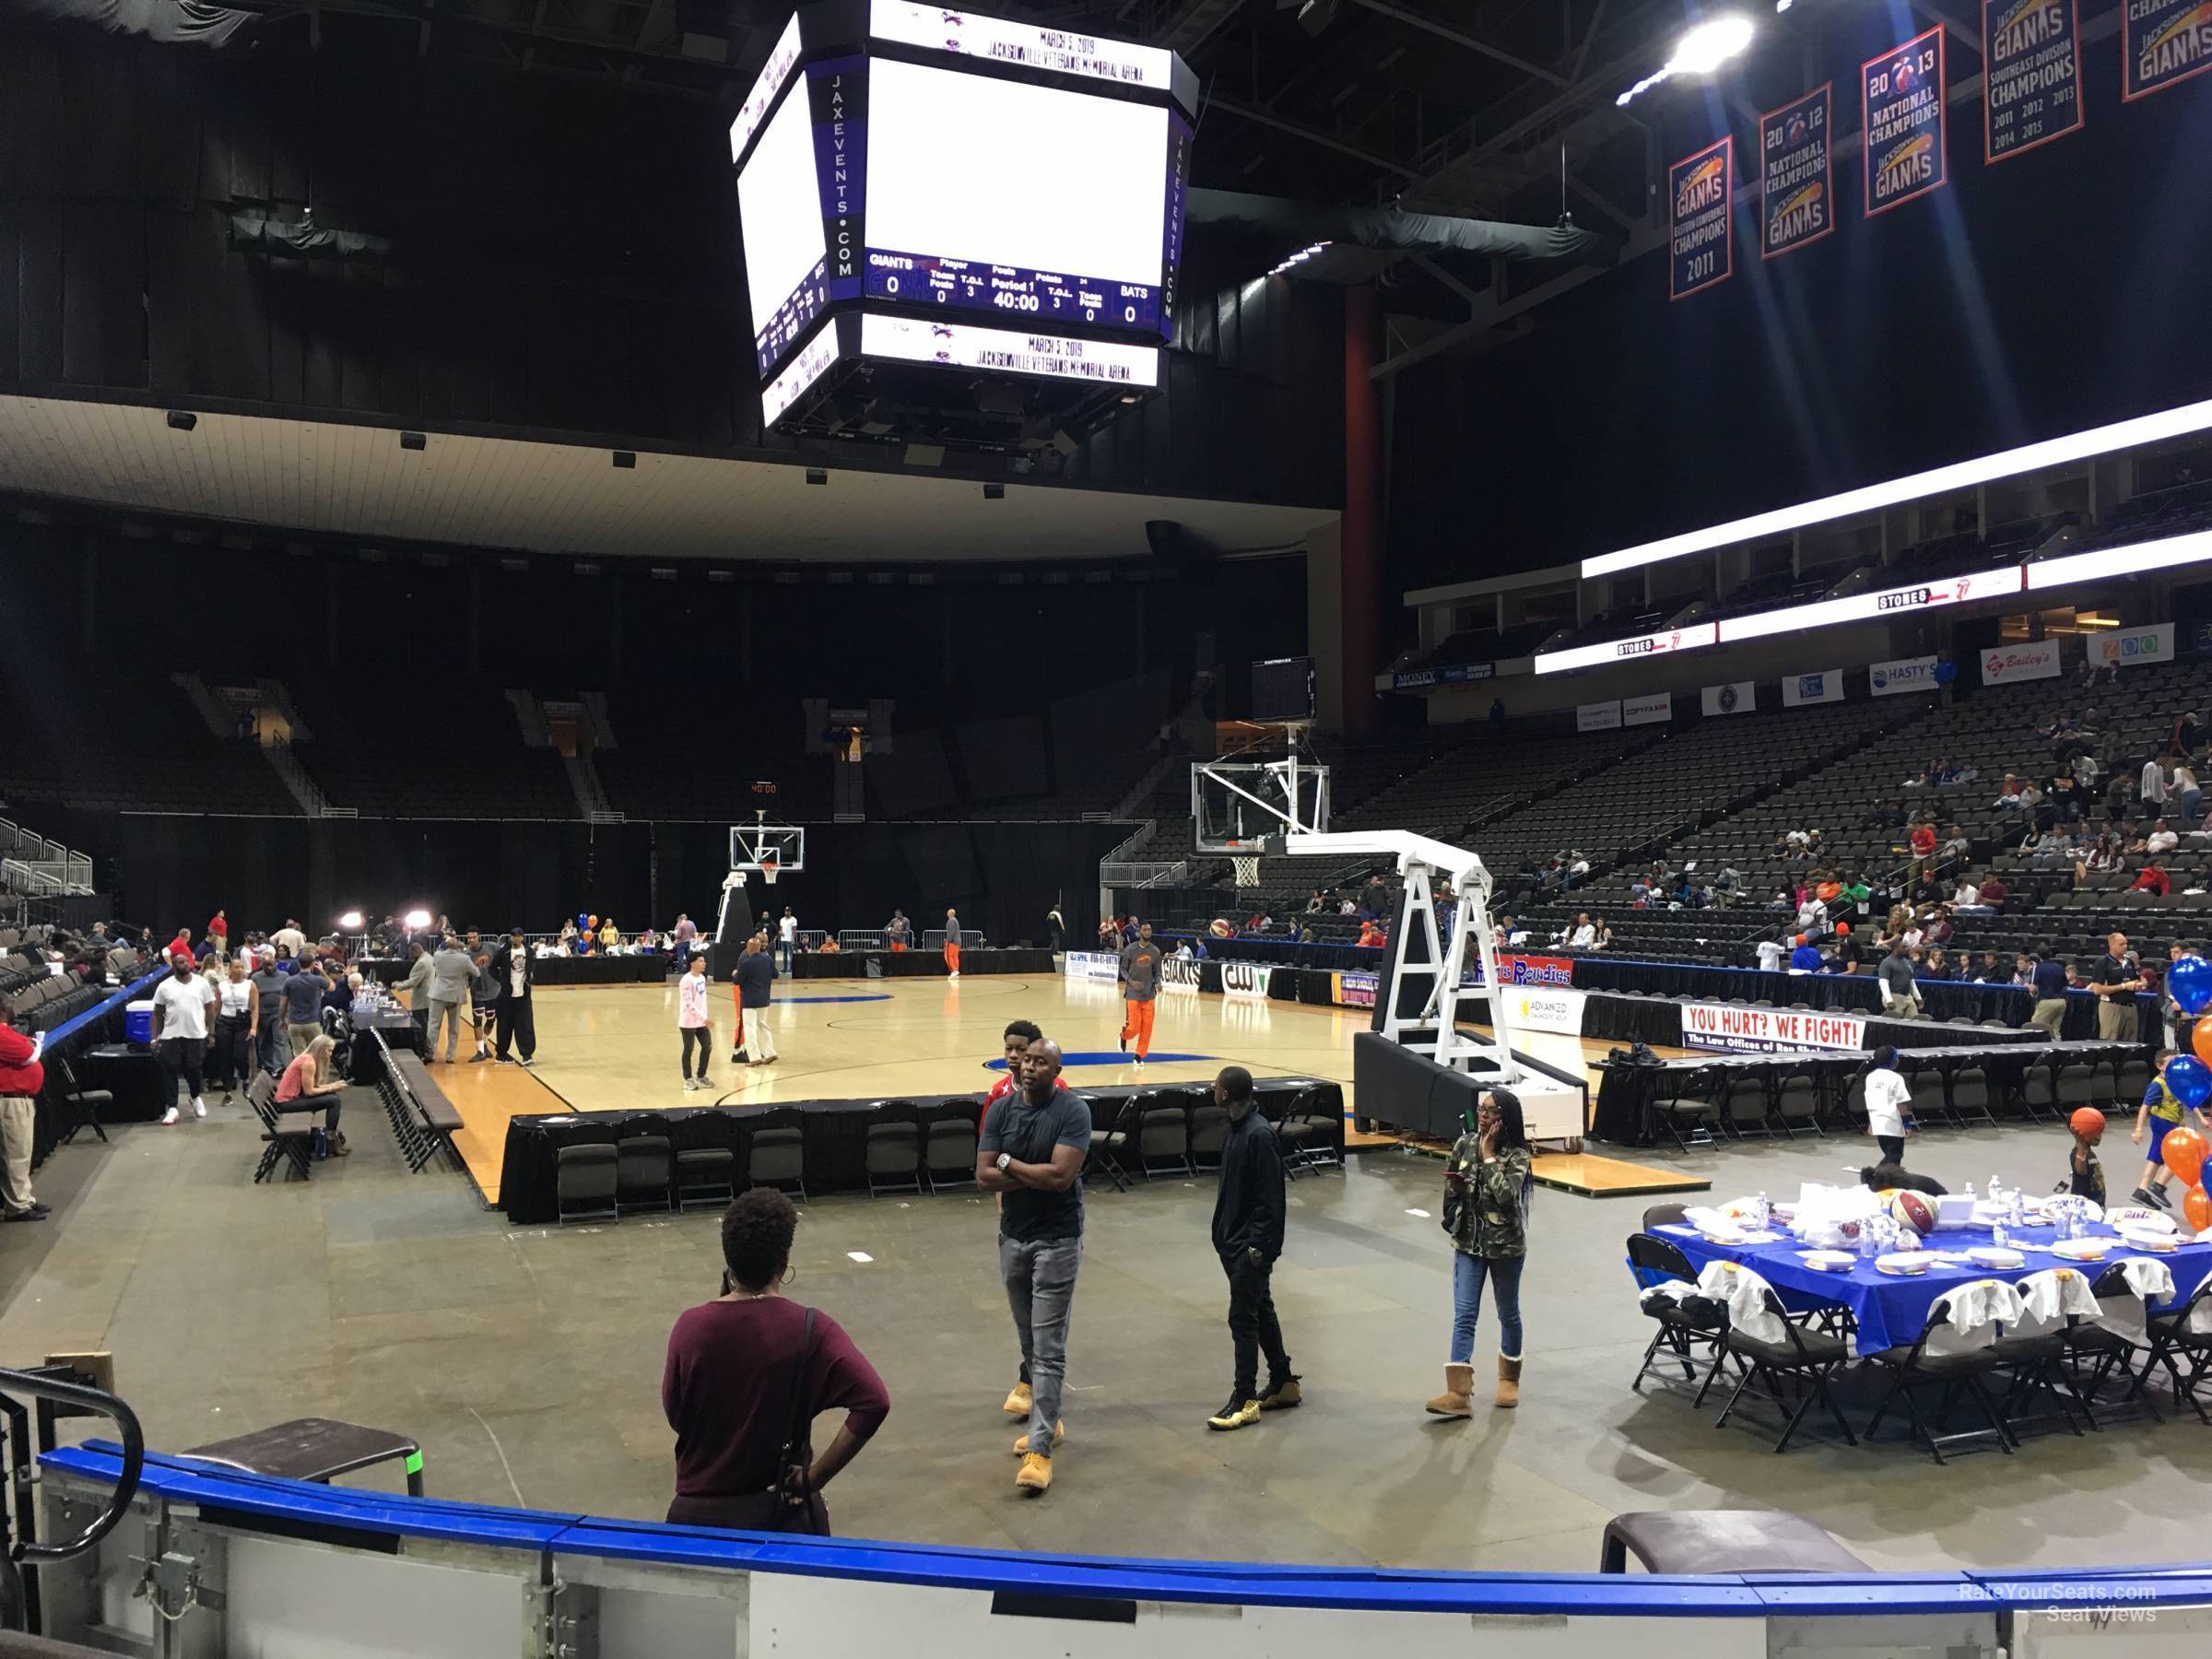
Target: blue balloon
x,y
2191,979
2190,1080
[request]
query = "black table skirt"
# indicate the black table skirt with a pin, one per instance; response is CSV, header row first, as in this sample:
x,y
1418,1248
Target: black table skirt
x,y
915,964
835,1132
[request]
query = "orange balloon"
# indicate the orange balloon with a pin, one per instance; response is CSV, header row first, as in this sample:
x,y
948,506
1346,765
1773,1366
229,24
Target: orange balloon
x,y
2201,1040
2197,1207
2183,1151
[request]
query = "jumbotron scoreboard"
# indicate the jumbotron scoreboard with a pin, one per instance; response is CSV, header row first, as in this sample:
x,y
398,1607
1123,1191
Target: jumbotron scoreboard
x,y
919,186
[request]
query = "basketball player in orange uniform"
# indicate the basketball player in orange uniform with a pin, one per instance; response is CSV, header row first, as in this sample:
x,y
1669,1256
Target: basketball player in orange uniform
x,y
1140,989
952,942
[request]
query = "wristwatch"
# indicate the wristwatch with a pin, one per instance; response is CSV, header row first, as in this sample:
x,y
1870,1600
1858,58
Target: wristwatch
x,y
1003,1159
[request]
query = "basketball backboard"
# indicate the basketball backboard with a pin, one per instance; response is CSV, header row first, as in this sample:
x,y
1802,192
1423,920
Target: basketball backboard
x,y
1249,806
757,846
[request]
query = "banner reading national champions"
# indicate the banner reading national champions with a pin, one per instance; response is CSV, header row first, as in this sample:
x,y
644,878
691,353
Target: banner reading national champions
x,y
2166,42
1797,188
1697,220
1905,126
2031,81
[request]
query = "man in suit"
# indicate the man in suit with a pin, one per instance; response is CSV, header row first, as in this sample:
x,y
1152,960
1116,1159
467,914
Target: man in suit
x,y
515,971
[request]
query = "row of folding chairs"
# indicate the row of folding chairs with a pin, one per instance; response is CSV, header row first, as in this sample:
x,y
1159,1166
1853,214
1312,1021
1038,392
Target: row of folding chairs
x,y
1181,1130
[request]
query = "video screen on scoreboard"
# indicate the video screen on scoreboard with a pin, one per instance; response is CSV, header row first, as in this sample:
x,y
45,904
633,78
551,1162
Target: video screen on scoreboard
x,y
1026,201
779,215
1282,688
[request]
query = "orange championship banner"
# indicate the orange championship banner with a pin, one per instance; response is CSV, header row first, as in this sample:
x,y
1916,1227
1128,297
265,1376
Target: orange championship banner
x,y
2032,78
1796,181
1698,252
1904,126
2163,44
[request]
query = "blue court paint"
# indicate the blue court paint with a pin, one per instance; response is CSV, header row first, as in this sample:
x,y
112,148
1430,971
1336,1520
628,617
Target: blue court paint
x,y
1107,1057
865,996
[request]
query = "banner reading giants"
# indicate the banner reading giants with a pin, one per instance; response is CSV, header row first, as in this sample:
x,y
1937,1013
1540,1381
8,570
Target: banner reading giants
x,y
1900,100
1798,187
838,101
2031,84
2165,42
1697,210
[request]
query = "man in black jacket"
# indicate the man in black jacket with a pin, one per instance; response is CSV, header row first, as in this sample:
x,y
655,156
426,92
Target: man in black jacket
x,y
514,971
1248,1237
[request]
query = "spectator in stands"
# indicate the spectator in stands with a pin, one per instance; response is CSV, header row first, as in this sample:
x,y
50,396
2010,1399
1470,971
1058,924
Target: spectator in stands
x,y
1812,913
1345,907
2109,853
2151,786
1579,934
1938,967
2187,799
1771,956
180,944
1806,956
2161,838
568,935
1315,903
312,1074
22,1078
2083,768
2152,878
2188,734
2008,794
2115,979
183,1029
1993,891
1955,844
1900,1000
743,1368
514,1019
1966,895
1889,1099
1602,936
237,1029
1372,933
1922,839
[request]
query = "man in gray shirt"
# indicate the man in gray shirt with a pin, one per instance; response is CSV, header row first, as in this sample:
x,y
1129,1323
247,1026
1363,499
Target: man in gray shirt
x,y
450,972
1900,1001
1140,989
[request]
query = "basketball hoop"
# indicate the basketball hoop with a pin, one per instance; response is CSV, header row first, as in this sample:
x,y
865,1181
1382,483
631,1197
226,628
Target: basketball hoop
x,y
768,868
1247,869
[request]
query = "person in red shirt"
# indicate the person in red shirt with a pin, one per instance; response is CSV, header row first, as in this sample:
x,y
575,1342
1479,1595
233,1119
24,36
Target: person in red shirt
x,y
1371,933
1923,840
182,943
218,930
2153,880
21,1078
743,1368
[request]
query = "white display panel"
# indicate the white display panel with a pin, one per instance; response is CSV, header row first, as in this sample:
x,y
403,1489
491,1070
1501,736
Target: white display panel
x,y
998,42
2132,561
781,60
1008,352
802,370
1862,608
999,172
1621,651
779,212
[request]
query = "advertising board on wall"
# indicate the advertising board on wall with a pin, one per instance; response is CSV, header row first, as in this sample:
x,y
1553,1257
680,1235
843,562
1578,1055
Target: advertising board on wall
x,y
1179,973
1356,989
1733,1027
2127,647
1246,982
1098,966
1901,675
2001,665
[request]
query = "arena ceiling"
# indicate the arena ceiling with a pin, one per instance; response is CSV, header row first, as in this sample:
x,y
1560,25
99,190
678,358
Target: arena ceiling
x,y
360,482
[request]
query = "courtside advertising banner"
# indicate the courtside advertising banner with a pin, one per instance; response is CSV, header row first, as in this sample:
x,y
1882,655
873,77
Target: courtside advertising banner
x,y
2032,80
2165,43
1246,982
2002,664
2126,647
1596,717
1649,709
1544,1008
1097,965
1179,974
1356,989
1734,1029
1737,697
1901,102
1517,970
1797,690
1796,181
1698,222
1901,675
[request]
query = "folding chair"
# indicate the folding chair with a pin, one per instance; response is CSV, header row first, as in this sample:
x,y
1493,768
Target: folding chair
x,y
290,1134
2032,1352
2118,1341
1792,1364
1109,1147
1958,1362
1685,1325
2181,1342
80,1106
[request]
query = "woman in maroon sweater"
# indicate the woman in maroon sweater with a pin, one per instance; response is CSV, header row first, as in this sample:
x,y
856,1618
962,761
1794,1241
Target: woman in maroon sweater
x,y
727,1389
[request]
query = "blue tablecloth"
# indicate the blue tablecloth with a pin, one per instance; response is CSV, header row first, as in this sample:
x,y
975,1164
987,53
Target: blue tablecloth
x,y
1890,1310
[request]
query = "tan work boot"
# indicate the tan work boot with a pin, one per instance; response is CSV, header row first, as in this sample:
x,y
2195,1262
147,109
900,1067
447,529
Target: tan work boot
x,y
1509,1382
1022,1440
1036,1474
1458,1398
1017,1401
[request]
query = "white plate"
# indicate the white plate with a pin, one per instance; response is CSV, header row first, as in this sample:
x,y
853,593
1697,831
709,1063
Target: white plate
x,y
1905,1264
1828,1260
2082,1250
1990,1256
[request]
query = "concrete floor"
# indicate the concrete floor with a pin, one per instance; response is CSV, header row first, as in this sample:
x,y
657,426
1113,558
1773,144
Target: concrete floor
x,y
528,1363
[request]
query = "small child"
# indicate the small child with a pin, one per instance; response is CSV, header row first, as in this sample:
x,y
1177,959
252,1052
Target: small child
x,y
2161,1112
2084,1176
1889,1098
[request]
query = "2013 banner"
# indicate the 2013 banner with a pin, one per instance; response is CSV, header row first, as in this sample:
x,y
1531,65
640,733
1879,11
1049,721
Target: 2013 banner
x,y
1906,133
1798,185
1699,230
2032,88
2165,43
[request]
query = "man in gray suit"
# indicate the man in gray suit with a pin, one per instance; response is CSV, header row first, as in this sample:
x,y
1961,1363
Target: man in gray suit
x,y
451,973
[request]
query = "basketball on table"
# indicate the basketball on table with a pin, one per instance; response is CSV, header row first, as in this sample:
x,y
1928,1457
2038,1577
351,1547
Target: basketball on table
x,y
1915,1210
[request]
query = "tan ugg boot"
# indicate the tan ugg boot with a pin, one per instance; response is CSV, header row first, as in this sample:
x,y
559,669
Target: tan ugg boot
x,y
1509,1382
1458,1400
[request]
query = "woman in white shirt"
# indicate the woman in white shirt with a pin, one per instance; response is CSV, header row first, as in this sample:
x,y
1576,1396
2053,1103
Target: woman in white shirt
x,y
1888,1095
694,1021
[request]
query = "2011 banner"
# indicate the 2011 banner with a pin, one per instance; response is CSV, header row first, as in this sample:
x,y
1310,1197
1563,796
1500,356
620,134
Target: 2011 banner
x,y
1698,231
2165,43
1906,133
2032,90
1798,185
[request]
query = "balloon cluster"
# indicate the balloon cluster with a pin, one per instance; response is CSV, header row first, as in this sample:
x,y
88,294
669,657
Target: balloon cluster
x,y
2190,1078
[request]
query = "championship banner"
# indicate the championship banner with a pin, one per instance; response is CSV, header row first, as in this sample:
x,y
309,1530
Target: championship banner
x,y
2127,647
1697,221
1596,717
1797,690
1903,675
1900,100
1647,711
1179,974
1246,982
2031,79
1796,181
2164,42
1736,1028
1356,990
1737,697
2004,663
1099,966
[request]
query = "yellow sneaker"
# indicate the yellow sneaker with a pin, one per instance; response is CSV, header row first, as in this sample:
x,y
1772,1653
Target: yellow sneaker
x,y
1237,1414
1036,1474
1018,1402
1022,1440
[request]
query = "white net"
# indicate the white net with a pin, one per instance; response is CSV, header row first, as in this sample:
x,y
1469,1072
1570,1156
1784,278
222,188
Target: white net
x,y
1247,869
768,871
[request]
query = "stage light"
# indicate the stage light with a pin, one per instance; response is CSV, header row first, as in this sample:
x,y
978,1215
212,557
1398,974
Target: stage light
x,y
413,441
626,459
350,922
183,420
417,920
1300,257
995,492
1942,480
1701,51
816,474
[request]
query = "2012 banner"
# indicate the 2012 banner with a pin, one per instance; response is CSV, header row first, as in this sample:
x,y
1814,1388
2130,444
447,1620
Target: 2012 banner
x,y
1901,99
1798,185
1698,231
2031,84
2164,43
